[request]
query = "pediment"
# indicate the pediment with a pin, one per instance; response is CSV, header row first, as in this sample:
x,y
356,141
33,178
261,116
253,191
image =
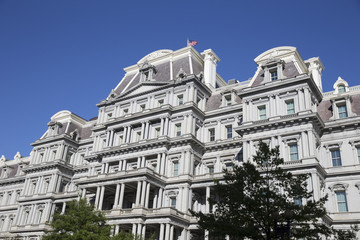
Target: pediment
x,y
143,87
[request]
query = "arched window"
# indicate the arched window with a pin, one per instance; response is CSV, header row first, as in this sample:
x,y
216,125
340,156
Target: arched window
x,y
341,88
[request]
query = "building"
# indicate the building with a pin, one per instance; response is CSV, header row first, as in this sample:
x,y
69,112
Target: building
x,y
169,128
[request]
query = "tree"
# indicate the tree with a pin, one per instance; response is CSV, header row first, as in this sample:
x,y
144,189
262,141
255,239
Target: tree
x,y
80,222
265,201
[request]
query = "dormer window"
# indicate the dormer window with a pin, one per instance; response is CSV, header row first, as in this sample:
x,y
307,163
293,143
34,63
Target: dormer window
x,y
147,72
342,111
274,75
341,88
228,100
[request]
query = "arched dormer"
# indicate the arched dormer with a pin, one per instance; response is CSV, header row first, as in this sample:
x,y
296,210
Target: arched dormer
x,y
340,86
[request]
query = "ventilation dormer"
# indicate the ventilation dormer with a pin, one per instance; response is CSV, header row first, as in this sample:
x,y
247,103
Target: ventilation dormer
x,y
147,72
54,128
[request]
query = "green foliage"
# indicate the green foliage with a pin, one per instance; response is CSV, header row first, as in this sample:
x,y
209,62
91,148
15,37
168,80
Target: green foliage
x,y
126,236
80,222
253,197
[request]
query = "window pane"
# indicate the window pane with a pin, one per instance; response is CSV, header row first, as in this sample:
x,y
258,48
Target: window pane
x,y
176,168
290,107
229,131
341,88
212,134
294,152
341,201
274,76
342,111
336,158
262,112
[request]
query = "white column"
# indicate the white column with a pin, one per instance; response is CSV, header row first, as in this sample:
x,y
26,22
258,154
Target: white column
x,y
143,231
138,191
172,232
139,228
143,130
160,196
147,126
163,161
143,192
116,201
161,234
186,162
162,122
311,143
101,200
167,231
155,199
307,98
83,193
147,195
207,204
134,228
121,200
158,161
304,144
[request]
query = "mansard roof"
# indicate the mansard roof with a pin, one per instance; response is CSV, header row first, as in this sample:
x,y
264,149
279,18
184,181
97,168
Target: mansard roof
x,y
168,64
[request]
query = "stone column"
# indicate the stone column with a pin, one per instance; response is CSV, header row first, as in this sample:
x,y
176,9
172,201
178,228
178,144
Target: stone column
x,y
307,98
160,196
161,234
167,231
172,232
162,122
207,204
163,160
143,192
305,144
116,201
143,130
101,200
134,228
138,191
147,195
158,161
311,143
121,200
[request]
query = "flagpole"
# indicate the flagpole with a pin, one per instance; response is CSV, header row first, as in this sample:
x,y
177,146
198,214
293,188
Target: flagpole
x,y
187,42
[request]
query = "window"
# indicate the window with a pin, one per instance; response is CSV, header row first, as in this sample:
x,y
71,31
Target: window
x,y
173,202
180,99
68,157
358,153
229,131
9,198
109,115
342,111
178,130
138,136
161,102
228,100
121,139
126,111
341,201
262,112
274,76
290,107
176,168
41,157
336,158
341,88
53,155
212,134
157,132
298,201
294,152
142,107
211,169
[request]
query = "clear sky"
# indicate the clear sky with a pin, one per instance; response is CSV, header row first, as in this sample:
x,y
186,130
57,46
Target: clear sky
x,y
69,54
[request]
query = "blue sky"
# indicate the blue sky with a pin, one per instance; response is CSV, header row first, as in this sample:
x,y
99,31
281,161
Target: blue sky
x,y
57,55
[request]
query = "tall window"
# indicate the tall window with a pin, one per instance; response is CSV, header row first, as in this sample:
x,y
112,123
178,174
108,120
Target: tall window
x,y
68,157
229,131
342,111
341,201
262,112
358,153
53,155
41,157
341,88
294,152
138,136
274,76
211,169
173,202
336,158
178,130
212,134
142,107
290,107
176,168
157,132
228,100
180,99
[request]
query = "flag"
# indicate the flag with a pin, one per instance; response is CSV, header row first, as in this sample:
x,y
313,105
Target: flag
x,y
192,43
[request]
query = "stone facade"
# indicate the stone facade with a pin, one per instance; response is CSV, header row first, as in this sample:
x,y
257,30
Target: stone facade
x,y
170,127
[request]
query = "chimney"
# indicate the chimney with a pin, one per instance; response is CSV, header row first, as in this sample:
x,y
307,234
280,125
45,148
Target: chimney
x,y
315,67
210,60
